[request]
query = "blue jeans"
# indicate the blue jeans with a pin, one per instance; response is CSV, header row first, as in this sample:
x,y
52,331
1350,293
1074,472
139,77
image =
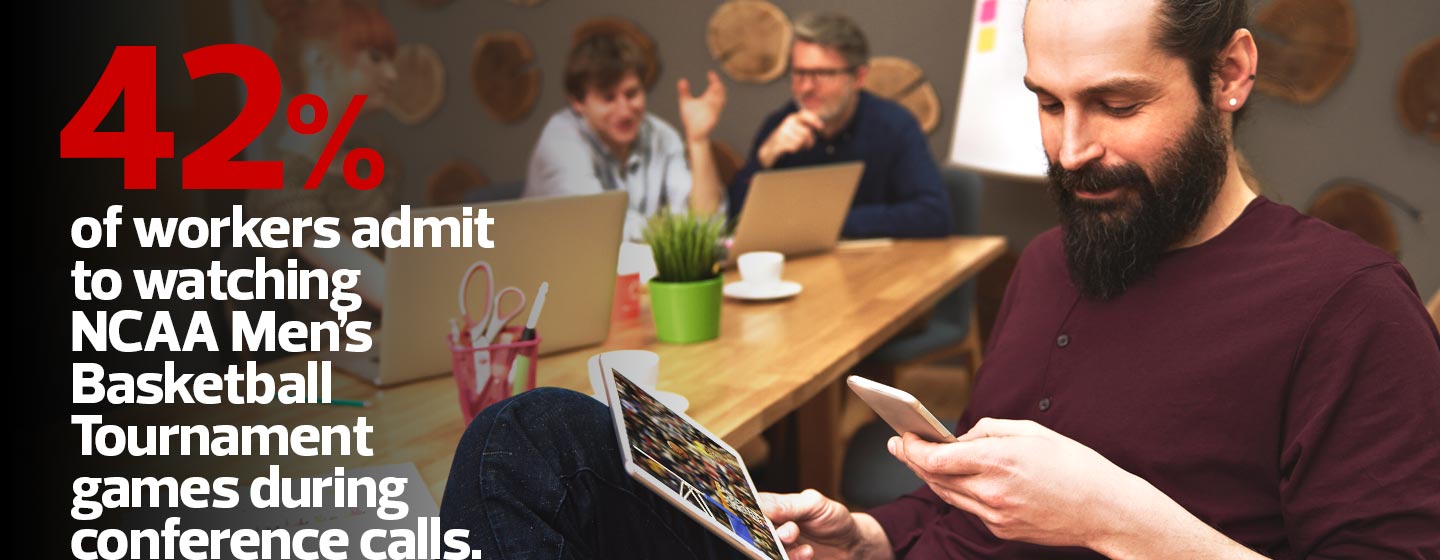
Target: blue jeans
x,y
539,476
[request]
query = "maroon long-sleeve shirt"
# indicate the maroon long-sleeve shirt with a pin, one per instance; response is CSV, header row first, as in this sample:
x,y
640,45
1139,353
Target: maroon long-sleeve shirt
x,y
1281,381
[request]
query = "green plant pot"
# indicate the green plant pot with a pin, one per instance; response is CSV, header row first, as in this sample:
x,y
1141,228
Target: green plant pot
x,y
686,312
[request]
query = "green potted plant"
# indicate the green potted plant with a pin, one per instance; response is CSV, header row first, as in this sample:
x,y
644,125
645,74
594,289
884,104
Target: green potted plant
x,y
685,294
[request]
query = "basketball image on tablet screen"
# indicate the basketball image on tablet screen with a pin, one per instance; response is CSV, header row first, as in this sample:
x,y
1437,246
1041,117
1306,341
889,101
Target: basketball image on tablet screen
x,y
688,462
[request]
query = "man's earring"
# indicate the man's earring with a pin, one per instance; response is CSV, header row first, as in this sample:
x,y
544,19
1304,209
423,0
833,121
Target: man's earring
x,y
1233,102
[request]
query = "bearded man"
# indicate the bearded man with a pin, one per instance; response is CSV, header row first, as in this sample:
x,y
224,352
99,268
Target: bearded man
x,y
1181,369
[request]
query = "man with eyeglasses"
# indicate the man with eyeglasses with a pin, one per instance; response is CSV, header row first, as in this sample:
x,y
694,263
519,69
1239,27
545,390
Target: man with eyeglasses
x,y
832,120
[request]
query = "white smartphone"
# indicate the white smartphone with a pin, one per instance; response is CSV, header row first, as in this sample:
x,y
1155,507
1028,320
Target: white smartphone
x,y
900,410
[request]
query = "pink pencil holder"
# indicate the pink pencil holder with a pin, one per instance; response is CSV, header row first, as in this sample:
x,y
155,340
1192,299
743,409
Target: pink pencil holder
x,y
493,386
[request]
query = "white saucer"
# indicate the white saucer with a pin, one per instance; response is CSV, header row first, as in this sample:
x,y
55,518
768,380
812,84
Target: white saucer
x,y
675,401
780,290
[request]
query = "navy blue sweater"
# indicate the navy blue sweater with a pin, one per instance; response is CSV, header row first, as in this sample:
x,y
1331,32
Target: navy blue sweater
x,y
900,193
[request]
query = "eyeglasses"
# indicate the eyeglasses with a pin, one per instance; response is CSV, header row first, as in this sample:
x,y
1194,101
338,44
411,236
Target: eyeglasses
x,y
818,74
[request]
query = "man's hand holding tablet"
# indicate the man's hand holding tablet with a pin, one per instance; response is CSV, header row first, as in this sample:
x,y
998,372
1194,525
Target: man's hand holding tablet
x,y
813,526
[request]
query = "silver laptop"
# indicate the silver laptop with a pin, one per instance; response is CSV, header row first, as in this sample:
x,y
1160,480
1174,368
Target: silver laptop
x,y
571,242
796,211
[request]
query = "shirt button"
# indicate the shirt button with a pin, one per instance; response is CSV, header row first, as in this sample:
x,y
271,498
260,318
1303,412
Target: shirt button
x,y
1044,404
830,149
1063,341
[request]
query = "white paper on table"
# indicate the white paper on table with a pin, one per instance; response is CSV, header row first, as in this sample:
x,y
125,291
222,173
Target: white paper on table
x,y
636,258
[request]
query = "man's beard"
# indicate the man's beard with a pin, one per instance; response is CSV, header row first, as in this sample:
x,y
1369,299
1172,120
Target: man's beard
x,y
1112,243
831,113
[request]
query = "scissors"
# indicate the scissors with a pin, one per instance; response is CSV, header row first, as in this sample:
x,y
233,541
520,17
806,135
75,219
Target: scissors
x,y
493,316
483,331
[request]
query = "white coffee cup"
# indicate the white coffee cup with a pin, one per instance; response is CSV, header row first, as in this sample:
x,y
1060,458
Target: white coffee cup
x,y
761,268
641,367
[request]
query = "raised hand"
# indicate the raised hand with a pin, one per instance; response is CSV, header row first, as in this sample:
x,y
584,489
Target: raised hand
x,y
699,114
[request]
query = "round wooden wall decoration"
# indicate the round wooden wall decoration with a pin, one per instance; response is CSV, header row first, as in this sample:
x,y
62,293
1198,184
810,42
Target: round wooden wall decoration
x,y
503,79
419,86
1417,95
903,82
449,184
750,39
638,36
1353,207
1305,47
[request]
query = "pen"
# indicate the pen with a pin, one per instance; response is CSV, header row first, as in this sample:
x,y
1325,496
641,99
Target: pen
x,y
529,332
521,365
348,402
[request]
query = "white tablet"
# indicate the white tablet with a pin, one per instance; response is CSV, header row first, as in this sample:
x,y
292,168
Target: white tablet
x,y
688,466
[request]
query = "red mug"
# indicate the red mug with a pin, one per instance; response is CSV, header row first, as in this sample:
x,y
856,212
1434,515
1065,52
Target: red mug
x,y
627,298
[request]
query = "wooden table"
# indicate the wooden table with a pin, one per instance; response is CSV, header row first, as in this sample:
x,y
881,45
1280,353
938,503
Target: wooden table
x,y
770,360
